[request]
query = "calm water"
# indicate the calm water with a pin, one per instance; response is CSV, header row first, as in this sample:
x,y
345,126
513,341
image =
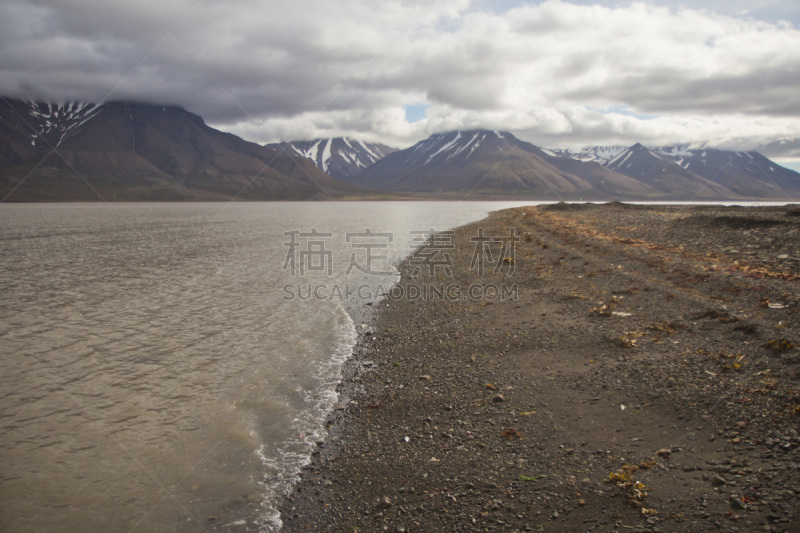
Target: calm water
x,y
155,373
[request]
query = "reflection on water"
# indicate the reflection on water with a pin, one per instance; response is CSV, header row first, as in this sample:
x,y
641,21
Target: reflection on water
x,y
153,375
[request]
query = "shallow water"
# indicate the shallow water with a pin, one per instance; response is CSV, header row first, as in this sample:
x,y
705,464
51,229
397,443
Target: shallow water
x,y
155,375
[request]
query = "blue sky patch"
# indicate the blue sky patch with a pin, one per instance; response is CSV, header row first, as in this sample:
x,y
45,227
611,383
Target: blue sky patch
x,y
416,112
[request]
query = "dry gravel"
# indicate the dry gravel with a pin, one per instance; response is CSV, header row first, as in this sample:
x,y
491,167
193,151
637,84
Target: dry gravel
x,y
644,379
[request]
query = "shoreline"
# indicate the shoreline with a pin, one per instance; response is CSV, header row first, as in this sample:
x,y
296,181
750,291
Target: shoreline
x,y
624,387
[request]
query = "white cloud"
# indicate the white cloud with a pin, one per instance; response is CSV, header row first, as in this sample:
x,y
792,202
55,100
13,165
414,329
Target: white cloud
x,y
556,73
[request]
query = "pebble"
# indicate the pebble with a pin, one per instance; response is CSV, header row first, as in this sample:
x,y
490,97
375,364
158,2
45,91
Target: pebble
x,y
718,481
384,503
758,469
737,504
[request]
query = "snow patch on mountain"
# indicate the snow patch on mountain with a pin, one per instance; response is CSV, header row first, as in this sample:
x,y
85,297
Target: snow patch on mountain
x,y
619,159
673,152
340,157
310,152
326,155
454,145
53,123
591,154
374,158
444,148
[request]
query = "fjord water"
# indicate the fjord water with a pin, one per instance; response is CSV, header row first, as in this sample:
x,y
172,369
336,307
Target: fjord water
x,y
155,374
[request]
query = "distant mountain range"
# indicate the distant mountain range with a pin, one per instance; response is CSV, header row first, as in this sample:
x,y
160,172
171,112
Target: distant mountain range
x,y
493,163
497,163
678,169
340,157
139,152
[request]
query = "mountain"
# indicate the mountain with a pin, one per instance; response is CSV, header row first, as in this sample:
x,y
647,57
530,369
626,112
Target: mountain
x,y
129,151
747,174
135,152
483,162
684,173
339,157
664,174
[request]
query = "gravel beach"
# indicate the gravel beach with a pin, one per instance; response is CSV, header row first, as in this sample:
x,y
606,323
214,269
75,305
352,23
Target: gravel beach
x,y
575,368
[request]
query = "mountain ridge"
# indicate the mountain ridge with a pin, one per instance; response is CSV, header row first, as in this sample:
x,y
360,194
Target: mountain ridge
x,y
131,151
137,152
725,173
491,162
497,163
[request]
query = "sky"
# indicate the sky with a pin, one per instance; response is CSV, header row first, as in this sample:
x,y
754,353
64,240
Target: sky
x,y
555,73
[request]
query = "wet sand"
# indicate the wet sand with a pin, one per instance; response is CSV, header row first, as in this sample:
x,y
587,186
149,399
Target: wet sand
x,y
641,375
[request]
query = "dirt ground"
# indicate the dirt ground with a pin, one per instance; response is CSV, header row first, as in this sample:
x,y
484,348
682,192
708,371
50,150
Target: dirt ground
x,y
640,373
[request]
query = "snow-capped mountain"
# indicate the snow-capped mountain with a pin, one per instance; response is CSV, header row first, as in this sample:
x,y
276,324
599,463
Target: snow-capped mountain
x,y
127,151
457,146
340,157
745,173
662,173
710,172
489,162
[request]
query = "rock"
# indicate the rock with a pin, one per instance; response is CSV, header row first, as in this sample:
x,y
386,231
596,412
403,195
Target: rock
x,y
664,452
718,481
737,504
384,503
499,398
425,377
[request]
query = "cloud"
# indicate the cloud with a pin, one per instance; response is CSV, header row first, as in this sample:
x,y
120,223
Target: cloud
x,y
556,73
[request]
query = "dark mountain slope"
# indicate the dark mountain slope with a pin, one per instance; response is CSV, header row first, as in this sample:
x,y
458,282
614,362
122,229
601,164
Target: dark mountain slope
x,y
125,151
489,162
665,175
